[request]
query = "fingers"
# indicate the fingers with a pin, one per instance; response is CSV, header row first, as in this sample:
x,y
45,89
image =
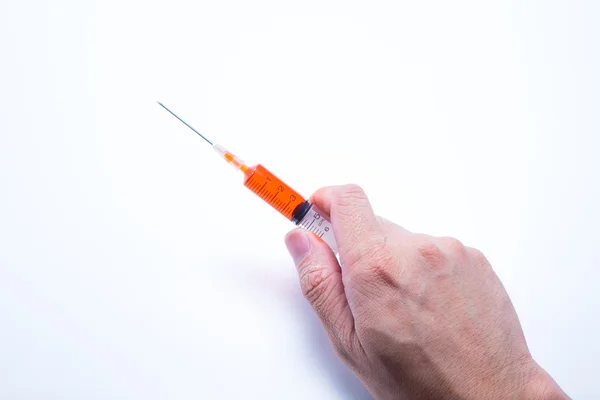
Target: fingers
x,y
321,283
322,198
356,227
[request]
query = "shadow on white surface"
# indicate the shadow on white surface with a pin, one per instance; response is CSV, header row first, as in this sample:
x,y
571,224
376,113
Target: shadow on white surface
x,y
342,378
315,340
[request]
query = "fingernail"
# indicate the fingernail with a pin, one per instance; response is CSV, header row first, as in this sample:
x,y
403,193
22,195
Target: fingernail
x,y
297,244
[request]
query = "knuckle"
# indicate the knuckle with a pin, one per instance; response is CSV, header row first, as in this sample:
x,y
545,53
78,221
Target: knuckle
x,y
350,194
366,253
374,263
432,254
478,257
314,280
382,268
353,190
454,245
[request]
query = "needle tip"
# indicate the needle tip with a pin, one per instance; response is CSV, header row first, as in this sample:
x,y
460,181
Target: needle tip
x,y
189,126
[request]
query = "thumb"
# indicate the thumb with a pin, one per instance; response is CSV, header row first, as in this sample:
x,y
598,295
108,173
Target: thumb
x,y
321,283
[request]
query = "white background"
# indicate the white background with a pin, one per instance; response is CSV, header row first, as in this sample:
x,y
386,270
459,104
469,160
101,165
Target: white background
x,y
134,264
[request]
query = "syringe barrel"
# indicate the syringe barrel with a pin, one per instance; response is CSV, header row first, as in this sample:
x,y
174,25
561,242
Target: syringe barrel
x,y
315,220
272,190
289,203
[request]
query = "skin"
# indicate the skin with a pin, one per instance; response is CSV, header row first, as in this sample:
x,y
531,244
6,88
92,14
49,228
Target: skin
x,y
414,316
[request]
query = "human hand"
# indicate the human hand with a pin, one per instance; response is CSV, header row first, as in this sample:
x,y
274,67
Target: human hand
x,y
414,316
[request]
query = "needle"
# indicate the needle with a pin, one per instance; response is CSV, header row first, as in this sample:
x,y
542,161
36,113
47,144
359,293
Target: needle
x,y
186,124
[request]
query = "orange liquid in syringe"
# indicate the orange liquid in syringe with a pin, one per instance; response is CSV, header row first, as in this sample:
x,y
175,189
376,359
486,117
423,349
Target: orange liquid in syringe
x,y
272,190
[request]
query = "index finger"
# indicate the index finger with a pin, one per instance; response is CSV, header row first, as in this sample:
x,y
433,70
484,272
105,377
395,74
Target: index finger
x,y
322,199
355,225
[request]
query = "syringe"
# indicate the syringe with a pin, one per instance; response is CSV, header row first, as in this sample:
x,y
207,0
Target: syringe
x,y
276,193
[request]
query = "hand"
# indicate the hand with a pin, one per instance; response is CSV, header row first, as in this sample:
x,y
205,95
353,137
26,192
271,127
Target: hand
x,y
414,316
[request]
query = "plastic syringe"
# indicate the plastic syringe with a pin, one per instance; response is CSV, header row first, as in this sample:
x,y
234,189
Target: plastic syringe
x,y
276,193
